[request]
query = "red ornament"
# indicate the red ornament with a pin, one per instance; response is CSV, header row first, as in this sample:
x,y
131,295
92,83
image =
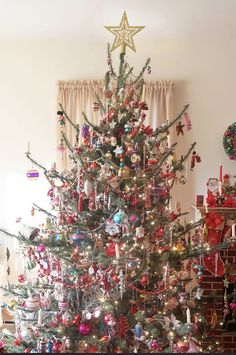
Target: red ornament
x,y
92,201
159,233
77,318
84,329
80,202
195,158
27,350
94,165
21,278
17,341
182,346
173,216
110,250
144,281
56,346
123,326
115,278
143,106
92,349
70,220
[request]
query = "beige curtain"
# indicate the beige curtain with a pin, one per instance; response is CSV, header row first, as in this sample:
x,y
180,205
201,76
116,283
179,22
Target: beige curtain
x,y
159,98
78,96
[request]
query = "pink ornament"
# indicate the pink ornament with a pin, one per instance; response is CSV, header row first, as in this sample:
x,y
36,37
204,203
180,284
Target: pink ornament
x,y
61,147
155,345
133,218
1,344
84,329
193,348
41,248
232,305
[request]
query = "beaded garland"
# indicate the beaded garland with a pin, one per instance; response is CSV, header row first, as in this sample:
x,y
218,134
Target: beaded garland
x,y
229,141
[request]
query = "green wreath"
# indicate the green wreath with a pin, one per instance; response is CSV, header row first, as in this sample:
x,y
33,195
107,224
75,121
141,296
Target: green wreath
x,y
229,141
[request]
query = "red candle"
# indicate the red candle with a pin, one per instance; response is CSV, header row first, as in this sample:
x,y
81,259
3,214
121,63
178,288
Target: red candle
x,y
221,172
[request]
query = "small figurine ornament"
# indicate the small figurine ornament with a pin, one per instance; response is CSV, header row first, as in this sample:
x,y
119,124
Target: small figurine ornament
x,y
61,118
195,158
179,128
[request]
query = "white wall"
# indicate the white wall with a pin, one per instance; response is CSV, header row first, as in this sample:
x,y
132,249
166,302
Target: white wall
x,y
204,75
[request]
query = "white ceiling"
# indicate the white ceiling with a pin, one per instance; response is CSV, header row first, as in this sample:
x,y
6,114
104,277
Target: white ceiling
x,y
65,19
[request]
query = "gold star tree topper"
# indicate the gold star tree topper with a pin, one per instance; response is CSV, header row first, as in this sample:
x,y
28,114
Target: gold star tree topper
x,y
124,34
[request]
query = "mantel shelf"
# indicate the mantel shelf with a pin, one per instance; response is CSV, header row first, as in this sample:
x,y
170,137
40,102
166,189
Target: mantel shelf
x,y
224,211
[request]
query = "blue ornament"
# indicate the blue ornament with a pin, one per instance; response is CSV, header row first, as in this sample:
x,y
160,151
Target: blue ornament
x,y
58,237
98,144
117,218
138,329
49,346
128,129
77,238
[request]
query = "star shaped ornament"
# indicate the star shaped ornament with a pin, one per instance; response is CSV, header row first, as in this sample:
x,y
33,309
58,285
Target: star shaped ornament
x,y
118,150
124,34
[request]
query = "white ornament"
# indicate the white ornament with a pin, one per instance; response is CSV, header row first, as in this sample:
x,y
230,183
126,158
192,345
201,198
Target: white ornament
x,y
113,141
88,187
112,228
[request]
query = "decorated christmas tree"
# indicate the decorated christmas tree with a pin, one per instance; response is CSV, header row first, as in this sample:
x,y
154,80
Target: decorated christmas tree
x,y
112,260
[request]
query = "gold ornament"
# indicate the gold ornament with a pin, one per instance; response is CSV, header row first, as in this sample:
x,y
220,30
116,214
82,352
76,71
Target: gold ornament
x,y
124,34
12,304
214,319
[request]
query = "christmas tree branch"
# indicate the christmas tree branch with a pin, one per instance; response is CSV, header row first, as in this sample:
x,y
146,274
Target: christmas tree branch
x,y
63,179
11,292
96,128
102,108
110,62
101,225
70,147
183,158
142,71
166,126
128,74
76,126
43,210
35,162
